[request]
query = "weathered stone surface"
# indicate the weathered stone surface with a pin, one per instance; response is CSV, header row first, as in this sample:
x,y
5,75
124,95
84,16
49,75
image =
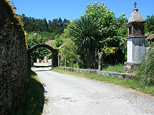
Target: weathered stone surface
x,y
13,60
130,67
135,49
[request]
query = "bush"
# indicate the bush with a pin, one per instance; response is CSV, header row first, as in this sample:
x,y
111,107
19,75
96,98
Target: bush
x,y
145,71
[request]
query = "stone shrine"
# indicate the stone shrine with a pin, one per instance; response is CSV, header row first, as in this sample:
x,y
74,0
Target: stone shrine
x,y
135,41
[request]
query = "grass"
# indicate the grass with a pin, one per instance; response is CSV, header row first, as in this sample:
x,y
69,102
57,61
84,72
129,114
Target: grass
x,y
33,101
115,68
145,71
127,83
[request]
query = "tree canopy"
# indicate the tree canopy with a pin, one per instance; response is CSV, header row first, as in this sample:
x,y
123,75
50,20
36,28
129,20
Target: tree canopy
x,y
34,25
98,30
86,36
149,24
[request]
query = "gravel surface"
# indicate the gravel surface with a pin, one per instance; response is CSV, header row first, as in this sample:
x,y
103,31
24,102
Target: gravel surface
x,y
70,95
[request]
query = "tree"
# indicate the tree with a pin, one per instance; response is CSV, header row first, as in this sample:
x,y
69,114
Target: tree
x,y
65,22
34,25
149,24
45,25
98,30
50,26
86,35
67,51
109,25
106,18
113,30
60,22
67,48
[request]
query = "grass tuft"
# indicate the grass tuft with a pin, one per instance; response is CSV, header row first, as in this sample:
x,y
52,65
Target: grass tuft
x,y
145,71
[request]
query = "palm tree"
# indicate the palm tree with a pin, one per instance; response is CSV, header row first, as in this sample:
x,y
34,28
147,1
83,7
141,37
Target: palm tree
x,y
86,35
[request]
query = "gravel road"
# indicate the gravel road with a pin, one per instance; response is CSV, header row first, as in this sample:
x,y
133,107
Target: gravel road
x,y
70,95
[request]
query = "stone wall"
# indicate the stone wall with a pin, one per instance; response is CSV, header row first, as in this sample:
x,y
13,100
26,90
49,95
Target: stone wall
x,y
13,59
103,73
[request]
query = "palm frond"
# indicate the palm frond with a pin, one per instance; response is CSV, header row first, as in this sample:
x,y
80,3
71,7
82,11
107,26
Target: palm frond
x,y
86,32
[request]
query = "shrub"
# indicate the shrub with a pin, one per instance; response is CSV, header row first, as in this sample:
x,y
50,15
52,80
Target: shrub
x,y
145,71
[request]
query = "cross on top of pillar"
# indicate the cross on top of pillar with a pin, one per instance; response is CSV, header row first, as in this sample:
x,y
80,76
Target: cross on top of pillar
x,y
135,4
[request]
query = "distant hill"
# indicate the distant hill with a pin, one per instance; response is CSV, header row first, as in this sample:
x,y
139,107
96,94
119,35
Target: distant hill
x,y
47,29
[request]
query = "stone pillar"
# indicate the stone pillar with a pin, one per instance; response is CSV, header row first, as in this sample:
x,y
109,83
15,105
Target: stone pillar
x,y
135,41
65,63
78,61
135,53
100,61
58,61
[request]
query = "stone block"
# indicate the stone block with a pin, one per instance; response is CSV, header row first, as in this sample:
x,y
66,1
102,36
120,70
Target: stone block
x,y
130,67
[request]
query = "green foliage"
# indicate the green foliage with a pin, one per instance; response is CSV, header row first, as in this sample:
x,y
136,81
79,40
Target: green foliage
x,y
47,35
67,48
85,33
34,25
113,31
106,18
68,51
145,71
110,26
58,41
86,36
98,29
39,53
33,100
149,24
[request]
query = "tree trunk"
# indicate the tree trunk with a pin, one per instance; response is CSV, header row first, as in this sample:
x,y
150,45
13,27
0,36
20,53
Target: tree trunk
x,y
90,59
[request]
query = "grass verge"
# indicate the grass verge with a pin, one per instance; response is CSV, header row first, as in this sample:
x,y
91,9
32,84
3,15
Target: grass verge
x,y
33,101
127,83
115,68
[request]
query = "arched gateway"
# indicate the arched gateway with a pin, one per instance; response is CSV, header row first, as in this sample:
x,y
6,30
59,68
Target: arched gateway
x,y
53,51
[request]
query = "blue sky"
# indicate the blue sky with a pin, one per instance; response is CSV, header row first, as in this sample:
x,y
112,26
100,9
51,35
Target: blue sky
x,y
71,9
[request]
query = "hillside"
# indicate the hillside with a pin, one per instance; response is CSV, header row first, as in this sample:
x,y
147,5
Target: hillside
x,y
45,36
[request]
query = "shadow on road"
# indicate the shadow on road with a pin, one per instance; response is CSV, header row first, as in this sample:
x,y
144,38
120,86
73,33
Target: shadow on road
x,y
42,70
41,66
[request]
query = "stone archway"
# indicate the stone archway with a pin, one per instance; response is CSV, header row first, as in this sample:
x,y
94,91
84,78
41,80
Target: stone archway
x,y
53,51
